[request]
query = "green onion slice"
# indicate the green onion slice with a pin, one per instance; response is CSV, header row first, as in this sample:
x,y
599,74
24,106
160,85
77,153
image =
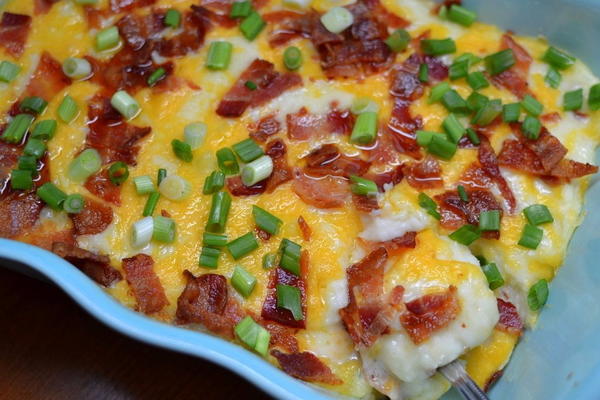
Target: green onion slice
x,y
219,55
209,257
87,163
227,161
125,104
538,295
175,188
77,68
118,173
142,231
242,246
164,229
466,234
365,128
243,281
337,19
266,221
219,211
290,298
143,184
256,171
538,214
493,276
51,195
531,237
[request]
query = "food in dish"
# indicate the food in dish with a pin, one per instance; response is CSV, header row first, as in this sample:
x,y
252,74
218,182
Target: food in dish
x,y
359,193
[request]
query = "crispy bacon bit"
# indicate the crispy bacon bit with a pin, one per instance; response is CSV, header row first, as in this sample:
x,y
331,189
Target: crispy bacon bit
x,y
383,152
282,337
269,82
18,213
391,177
303,125
515,78
549,150
569,169
365,204
205,301
97,267
456,212
510,321
489,162
100,185
403,127
306,366
144,283
266,127
194,27
304,228
340,122
9,155
43,6
128,5
94,218
262,234
281,170
365,289
237,188
550,118
45,235
405,82
14,29
325,192
327,160
430,313
426,174
115,139
280,276
48,79
399,244
165,213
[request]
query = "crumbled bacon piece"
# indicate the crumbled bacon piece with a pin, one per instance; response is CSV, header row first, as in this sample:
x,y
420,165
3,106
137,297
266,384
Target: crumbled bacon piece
x,y
306,366
489,163
304,228
399,244
94,218
237,188
100,185
510,320
9,155
303,125
144,283
550,118
269,84
262,234
365,204
515,78
340,121
205,300
95,266
325,192
43,6
266,127
405,83
45,235
128,5
391,177
194,27
430,313
14,29
18,212
282,337
426,174
403,127
549,150
281,170
48,79
327,160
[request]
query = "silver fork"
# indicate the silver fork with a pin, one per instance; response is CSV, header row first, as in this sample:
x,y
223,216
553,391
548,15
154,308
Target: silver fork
x,y
457,375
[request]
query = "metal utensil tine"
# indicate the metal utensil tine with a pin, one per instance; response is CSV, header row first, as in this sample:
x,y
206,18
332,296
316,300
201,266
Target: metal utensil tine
x,y
457,375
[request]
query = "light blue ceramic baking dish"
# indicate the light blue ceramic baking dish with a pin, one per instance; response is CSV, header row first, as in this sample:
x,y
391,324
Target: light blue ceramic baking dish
x,y
558,360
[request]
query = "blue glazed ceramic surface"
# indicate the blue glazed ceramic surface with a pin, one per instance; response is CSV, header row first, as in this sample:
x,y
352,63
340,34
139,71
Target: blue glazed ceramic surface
x,y
558,360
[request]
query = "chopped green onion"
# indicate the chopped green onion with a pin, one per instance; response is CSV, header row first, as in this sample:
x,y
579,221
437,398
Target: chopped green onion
x,y
35,148
573,100
473,137
68,110
164,229
470,57
266,221
466,234
182,150
251,85
44,130
219,211
538,295
143,184
160,175
482,260
175,188
227,161
194,134
107,39
538,214
362,186
363,104
125,104
289,298
531,237
488,113
365,128
290,256
87,163
209,257
247,150
27,163
118,173
429,205
443,12
438,47
253,335
252,25
489,220
532,106
500,61
453,128
17,128
493,276
553,78
461,15
462,193
477,80
454,103
594,97
558,59
156,76
458,69
77,68
151,204
424,73
442,147
33,104
141,232
74,203
424,137
292,58
242,246
477,101
531,127
511,112
219,55
21,179
173,18
398,41
240,9
8,71
269,260
51,195
243,281
256,171
213,240
438,92
337,19
214,182
86,1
